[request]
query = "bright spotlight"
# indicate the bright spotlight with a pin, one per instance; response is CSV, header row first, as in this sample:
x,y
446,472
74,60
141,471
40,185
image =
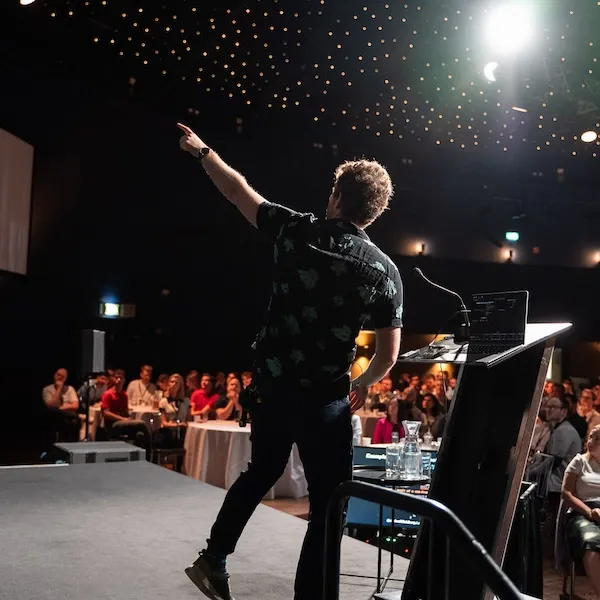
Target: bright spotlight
x,y
26,2
589,136
509,27
490,71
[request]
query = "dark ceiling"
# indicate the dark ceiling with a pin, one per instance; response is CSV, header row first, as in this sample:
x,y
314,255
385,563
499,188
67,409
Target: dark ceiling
x,y
408,76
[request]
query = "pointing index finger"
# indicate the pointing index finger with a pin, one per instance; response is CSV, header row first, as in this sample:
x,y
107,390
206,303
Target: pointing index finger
x,y
185,129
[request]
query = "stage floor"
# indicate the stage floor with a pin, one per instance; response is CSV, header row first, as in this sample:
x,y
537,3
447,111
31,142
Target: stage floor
x,y
126,531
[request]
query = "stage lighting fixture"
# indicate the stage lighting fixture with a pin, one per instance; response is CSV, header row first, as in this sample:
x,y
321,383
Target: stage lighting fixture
x,y
490,71
509,27
512,236
589,136
26,2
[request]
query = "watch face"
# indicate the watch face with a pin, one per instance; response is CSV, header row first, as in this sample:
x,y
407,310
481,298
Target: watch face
x,y
204,151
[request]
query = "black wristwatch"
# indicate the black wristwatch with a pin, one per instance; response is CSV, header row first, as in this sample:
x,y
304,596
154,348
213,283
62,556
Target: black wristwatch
x,y
203,152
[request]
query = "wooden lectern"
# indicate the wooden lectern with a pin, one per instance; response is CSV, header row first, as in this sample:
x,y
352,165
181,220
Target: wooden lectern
x,y
483,457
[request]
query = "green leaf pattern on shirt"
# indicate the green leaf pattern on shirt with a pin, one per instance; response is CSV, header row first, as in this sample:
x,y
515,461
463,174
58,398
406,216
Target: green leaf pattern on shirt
x,y
292,324
274,366
288,244
378,266
390,289
330,368
338,300
344,334
310,313
297,356
309,278
399,311
367,294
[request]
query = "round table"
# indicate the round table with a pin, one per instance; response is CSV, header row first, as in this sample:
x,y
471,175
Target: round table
x,y
218,451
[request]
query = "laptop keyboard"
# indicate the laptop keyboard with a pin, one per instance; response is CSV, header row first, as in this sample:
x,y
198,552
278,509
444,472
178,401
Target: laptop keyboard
x,y
488,349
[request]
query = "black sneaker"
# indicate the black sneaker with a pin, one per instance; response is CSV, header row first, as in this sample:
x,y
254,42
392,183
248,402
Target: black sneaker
x,y
213,583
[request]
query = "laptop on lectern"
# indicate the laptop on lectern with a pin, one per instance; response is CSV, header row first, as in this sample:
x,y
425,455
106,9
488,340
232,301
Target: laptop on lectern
x,y
498,323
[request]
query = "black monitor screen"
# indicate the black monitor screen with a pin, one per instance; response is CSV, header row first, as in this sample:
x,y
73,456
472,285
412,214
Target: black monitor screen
x,y
499,316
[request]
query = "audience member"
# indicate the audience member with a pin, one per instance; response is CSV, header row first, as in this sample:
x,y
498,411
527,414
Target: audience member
x,y
228,406
115,410
573,417
62,404
175,409
380,400
192,383
203,400
142,391
91,391
564,444
581,493
433,417
162,385
396,413
246,379
586,410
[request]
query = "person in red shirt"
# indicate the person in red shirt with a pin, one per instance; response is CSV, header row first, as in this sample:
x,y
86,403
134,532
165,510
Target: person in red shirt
x,y
115,410
203,400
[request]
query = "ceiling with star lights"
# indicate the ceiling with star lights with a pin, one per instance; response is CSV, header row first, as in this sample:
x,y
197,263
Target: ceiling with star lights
x,y
501,76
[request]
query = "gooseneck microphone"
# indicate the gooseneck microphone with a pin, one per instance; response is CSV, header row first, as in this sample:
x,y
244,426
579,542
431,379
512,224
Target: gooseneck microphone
x,y
461,335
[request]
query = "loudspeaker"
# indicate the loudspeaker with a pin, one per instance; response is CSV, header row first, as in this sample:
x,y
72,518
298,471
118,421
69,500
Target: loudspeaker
x,y
92,351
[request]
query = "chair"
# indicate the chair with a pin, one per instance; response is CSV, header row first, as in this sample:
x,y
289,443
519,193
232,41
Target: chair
x,y
165,456
563,560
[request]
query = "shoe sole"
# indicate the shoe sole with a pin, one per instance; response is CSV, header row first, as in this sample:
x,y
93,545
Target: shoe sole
x,y
201,581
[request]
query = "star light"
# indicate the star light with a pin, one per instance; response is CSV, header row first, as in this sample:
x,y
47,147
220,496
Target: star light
x,y
400,70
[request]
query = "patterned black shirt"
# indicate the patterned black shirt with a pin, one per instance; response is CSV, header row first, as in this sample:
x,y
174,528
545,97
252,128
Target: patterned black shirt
x,y
329,282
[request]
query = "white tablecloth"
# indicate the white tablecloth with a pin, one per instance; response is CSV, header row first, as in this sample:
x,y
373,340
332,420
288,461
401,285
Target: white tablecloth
x,y
218,451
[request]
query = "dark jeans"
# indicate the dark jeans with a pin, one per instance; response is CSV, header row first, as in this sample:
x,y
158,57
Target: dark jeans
x,y
138,430
324,438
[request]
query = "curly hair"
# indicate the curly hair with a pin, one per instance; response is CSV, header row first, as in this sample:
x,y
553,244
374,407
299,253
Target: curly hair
x,y
364,188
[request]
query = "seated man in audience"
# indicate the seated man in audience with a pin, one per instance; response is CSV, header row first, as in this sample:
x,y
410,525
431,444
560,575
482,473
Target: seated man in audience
x,y
91,391
564,443
203,400
380,400
586,410
228,407
142,392
115,410
62,404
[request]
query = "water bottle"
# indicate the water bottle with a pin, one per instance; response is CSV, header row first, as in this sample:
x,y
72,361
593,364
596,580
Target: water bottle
x,y
392,457
411,454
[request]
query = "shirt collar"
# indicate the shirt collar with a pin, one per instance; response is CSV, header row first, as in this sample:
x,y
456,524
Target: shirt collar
x,y
349,227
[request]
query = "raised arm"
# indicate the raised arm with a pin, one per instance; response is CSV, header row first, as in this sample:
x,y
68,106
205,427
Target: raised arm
x,y
228,181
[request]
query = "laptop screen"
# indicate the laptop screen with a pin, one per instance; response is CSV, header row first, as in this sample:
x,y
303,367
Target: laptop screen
x,y
499,317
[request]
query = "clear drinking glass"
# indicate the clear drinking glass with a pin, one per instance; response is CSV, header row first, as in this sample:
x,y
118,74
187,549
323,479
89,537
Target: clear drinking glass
x,y
411,452
392,457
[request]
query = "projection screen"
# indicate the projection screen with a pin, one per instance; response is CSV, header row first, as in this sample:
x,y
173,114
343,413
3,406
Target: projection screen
x,y
16,175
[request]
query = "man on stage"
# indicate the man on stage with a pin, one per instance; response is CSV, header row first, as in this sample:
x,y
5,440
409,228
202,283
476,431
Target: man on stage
x,y
329,281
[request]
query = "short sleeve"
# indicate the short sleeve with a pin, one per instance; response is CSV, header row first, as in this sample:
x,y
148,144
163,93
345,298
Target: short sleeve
x,y
272,219
221,402
389,307
106,401
576,465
